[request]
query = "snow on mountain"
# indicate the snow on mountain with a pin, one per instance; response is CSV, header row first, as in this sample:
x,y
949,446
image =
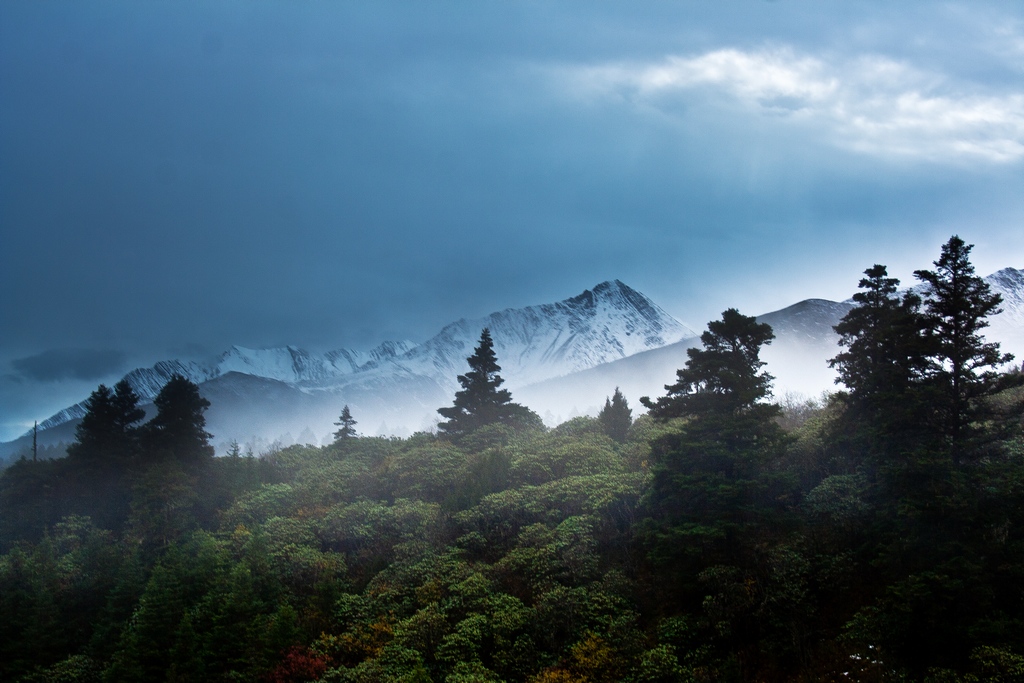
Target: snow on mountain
x,y
535,343
562,356
147,383
1008,327
609,322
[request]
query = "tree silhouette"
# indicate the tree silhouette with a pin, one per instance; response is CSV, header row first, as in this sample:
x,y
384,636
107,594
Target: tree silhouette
x,y
708,488
616,417
882,367
346,426
178,431
724,378
106,435
957,303
480,402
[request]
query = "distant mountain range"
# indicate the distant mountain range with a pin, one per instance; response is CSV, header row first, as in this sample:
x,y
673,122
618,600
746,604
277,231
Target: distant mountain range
x,y
560,359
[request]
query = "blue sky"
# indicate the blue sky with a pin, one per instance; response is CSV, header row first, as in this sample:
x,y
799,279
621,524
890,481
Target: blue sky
x,y
179,177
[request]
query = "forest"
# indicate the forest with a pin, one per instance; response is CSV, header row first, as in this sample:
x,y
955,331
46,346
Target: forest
x,y
876,534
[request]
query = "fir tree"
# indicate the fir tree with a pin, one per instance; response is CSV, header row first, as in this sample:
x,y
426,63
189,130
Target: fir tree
x,y
106,435
480,402
723,378
707,476
962,365
346,425
178,431
616,416
881,367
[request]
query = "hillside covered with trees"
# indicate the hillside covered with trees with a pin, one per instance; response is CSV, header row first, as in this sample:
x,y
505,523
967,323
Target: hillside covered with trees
x,y
876,535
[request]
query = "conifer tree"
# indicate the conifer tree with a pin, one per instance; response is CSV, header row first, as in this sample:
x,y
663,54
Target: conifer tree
x,y
480,402
616,416
106,433
707,475
961,364
882,366
724,378
346,425
178,431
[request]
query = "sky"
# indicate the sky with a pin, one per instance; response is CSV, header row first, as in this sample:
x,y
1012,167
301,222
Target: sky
x,y
179,177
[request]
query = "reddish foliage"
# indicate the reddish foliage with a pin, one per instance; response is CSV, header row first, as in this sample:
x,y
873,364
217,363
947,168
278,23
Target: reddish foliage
x,y
299,665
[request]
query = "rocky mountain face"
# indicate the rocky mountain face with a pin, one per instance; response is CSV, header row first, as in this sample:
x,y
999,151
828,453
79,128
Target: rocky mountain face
x,y
1008,327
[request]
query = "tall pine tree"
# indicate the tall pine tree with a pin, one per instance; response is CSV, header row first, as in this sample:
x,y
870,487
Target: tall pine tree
x,y
178,431
107,433
480,401
346,426
881,367
616,417
961,363
706,489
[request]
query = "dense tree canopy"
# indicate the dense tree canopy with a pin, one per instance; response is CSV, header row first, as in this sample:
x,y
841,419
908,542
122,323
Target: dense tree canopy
x,y
862,543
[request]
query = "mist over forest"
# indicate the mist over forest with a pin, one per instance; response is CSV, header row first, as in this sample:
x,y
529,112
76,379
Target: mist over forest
x,y
518,342
875,534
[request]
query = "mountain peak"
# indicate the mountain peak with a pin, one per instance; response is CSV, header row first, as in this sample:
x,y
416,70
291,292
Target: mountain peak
x,y
608,322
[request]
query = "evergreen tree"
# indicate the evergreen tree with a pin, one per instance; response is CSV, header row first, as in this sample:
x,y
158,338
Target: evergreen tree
x,y
346,426
707,476
725,377
93,480
178,431
480,402
882,367
962,364
106,435
616,416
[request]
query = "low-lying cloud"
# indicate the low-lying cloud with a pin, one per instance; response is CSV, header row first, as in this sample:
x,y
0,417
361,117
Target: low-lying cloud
x,y
61,364
871,104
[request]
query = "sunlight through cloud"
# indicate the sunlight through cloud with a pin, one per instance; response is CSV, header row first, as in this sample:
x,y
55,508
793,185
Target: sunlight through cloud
x,y
873,104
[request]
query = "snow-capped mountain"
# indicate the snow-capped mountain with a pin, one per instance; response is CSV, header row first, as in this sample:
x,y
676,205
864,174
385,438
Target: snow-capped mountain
x,y
534,343
1008,326
561,358
297,366
404,382
289,364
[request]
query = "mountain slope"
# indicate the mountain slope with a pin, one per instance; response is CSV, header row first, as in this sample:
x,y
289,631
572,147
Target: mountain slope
x,y
404,383
534,343
557,358
797,357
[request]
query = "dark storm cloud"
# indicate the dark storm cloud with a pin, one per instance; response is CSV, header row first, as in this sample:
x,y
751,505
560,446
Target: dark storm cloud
x,y
335,174
59,364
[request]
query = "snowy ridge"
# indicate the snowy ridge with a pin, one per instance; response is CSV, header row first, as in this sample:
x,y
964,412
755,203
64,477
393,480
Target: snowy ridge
x,y
67,415
603,324
1008,327
553,356
535,343
147,383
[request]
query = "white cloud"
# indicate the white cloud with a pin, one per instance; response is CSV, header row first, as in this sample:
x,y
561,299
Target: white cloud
x,y
872,104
